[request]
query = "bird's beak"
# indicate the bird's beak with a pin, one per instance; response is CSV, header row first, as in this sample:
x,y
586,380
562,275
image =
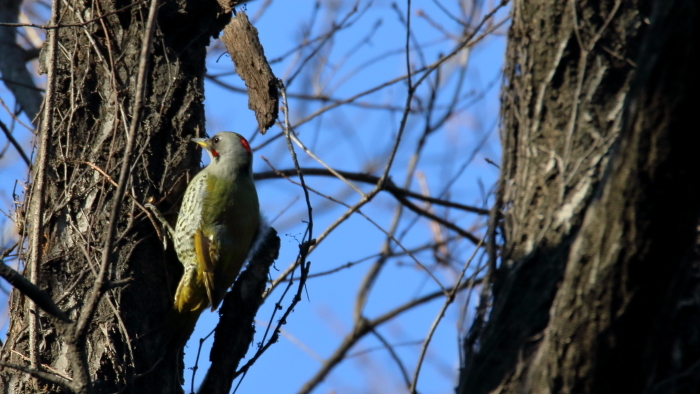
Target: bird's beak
x,y
200,141
204,143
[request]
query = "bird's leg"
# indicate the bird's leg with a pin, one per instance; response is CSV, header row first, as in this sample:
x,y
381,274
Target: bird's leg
x,y
166,225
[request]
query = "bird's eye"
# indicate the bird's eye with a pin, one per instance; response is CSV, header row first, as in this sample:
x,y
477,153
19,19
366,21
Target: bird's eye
x,y
216,140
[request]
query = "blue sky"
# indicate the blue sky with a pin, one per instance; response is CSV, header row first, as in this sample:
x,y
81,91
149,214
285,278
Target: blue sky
x,y
355,139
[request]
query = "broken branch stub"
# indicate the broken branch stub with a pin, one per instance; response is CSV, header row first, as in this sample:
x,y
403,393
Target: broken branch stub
x,y
243,45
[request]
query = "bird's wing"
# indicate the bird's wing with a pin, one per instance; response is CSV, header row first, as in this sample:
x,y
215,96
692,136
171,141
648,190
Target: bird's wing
x,y
225,234
207,251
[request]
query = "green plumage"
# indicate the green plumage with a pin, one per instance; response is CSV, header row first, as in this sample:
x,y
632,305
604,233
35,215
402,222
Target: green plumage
x,y
217,224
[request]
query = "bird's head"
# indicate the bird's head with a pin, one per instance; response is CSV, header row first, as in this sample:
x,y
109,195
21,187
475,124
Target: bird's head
x,y
228,151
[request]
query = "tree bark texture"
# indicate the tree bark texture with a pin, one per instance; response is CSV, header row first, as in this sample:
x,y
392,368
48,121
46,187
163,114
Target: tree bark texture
x,y
96,68
598,283
243,45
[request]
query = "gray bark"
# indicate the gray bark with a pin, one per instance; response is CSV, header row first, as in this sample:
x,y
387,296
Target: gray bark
x,y
96,71
597,288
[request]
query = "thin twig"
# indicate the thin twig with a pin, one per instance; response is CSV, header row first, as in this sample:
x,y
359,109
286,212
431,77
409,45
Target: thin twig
x,y
38,296
102,281
15,117
413,207
408,45
389,235
49,377
303,250
37,203
374,180
138,204
373,273
329,168
299,172
392,353
397,192
293,154
48,367
450,298
98,288
365,327
335,28
195,368
216,79
392,254
471,39
14,143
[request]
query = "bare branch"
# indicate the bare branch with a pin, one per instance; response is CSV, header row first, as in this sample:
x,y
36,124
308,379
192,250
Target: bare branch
x,y
78,334
449,299
394,356
387,233
373,180
27,288
136,202
301,257
37,202
14,143
100,284
49,377
234,332
364,326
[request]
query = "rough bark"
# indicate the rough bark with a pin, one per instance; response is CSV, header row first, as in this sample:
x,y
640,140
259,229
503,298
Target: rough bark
x,y
599,274
243,45
96,70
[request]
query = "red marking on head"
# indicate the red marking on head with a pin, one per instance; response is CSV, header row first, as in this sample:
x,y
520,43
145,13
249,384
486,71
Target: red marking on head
x,y
246,145
214,153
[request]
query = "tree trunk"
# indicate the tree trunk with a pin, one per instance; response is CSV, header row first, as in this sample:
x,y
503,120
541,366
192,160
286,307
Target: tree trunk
x,y
597,287
95,75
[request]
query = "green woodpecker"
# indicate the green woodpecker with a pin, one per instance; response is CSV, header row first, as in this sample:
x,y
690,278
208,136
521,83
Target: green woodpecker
x,y
217,224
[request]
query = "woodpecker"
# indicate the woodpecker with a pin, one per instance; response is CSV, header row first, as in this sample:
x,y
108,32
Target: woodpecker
x,y
217,223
